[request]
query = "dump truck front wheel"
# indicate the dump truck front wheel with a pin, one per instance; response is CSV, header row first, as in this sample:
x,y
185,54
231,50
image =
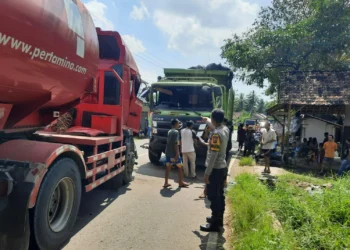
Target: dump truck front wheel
x,y
154,157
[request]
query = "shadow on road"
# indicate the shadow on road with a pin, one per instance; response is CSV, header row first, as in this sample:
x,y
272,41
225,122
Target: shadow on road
x,y
91,205
94,203
218,245
168,192
150,169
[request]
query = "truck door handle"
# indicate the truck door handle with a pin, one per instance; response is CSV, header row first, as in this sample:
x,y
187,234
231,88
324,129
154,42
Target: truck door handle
x,y
133,114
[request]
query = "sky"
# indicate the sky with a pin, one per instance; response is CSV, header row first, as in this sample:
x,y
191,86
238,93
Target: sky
x,y
176,33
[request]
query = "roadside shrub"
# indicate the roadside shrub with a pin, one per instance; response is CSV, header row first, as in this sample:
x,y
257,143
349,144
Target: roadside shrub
x,y
246,161
316,219
252,224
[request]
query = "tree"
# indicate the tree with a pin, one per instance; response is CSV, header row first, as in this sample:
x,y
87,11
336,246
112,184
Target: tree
x,y
250,102
240,103
244,116
291,35
261,106
270,104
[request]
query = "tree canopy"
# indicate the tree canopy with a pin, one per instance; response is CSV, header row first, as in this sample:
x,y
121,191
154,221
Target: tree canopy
x,y
261,106
250,103
239,105
291,35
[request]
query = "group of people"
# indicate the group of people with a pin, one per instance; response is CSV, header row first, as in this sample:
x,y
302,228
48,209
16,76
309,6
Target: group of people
x,y
266,136
219,144
324,153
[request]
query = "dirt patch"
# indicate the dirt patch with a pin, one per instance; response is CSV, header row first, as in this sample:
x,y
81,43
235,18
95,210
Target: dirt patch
x,y
236,170
229,234
276,223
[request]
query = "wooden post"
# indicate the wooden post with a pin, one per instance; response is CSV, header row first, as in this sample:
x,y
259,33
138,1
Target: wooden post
x,y
283,133
288,127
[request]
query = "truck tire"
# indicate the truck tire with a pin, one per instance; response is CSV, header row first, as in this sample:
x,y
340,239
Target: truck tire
x,y
130,157
154,157
16,243
57,205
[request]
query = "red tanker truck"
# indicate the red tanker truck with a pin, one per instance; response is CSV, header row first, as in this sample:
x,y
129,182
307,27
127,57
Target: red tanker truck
x,y
53,59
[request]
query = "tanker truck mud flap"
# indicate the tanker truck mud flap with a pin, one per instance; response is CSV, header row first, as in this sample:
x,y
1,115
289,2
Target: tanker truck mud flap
x,y
15,193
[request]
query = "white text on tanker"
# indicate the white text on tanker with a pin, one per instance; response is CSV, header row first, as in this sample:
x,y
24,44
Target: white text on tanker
x,y
35,53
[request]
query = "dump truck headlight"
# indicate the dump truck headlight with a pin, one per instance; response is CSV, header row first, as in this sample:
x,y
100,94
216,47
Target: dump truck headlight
x,y
154,124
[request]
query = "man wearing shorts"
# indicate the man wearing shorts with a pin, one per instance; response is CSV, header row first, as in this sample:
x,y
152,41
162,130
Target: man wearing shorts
x,y
329,152
172,154
268,139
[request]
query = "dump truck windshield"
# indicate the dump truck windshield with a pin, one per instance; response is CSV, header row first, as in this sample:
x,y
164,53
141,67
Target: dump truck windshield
x,y
183,97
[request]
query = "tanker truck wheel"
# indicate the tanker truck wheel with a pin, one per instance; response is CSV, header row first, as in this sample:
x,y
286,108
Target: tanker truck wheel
x,y
129,163
57,205
154,157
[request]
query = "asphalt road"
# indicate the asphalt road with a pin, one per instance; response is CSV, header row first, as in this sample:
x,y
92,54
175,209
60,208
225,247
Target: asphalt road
x,y
143,215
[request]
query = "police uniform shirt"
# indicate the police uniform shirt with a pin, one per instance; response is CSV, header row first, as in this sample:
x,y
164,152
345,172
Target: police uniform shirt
x,y
217,150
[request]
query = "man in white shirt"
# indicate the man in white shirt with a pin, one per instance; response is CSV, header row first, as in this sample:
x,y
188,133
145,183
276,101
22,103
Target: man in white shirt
x,y
187,148
268,139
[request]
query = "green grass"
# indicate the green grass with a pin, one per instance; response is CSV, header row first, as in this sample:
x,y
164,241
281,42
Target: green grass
x,y
246,161
319,221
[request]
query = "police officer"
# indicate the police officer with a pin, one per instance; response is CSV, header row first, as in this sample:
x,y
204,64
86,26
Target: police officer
x,y
216,171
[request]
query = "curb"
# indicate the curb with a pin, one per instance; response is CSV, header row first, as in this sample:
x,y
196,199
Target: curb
x,y
232,163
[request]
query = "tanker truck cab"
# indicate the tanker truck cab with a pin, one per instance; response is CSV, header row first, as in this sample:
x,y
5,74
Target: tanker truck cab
x,y
184,96
117,84
43,172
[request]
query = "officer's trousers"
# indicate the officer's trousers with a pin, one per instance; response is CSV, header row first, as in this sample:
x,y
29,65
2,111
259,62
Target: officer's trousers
x,y
215,193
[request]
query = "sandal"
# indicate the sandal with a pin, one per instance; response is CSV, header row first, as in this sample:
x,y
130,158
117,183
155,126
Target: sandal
x,y
167,185
184,185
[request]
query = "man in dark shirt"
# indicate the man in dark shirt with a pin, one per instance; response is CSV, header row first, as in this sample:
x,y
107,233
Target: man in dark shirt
x,y
241,135
345,165
229,125
325,137
172,154
249,144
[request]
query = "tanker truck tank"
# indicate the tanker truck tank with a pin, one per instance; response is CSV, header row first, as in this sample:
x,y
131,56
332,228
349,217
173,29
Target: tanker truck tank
x,y
48,57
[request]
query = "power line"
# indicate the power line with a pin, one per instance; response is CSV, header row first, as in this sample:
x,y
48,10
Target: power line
x,y
149,56
146,59
160,60
149,61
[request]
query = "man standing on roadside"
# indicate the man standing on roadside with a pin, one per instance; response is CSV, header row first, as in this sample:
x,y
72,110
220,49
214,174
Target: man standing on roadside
x,y
216,171
345,164
268,139
187,148
241,134
173,155
325,137
329,152
229,126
